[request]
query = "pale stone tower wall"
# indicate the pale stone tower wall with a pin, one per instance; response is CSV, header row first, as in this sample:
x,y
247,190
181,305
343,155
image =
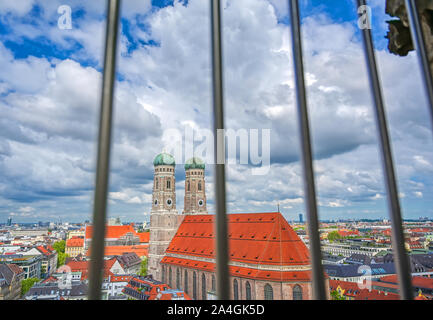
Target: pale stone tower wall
x,y
164,218
195,188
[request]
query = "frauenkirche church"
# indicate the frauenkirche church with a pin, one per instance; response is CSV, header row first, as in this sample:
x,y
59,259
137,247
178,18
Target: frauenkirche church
x,y
267,258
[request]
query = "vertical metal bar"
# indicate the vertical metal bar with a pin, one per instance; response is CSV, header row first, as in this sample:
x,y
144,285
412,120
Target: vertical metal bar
x,y
103,161
419,43
319,290
400,257
222,259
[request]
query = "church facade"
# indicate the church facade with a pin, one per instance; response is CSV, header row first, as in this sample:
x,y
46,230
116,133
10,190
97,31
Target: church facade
x,y
267,258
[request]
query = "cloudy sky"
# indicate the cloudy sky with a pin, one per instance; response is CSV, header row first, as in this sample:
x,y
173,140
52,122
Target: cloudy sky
x,y
50,79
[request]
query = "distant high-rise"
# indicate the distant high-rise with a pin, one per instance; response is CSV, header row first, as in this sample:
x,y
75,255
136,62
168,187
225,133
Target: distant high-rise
x,y
301,218
9,222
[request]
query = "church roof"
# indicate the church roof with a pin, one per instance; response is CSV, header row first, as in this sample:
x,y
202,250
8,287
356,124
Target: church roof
x,y
112,232
242,272
254,238
164,159
194,163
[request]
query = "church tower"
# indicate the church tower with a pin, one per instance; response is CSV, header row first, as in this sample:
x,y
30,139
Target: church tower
x,y
195,191
164,218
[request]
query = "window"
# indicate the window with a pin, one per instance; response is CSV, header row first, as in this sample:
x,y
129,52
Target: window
x,y
188,186
186,281
213,283
203,287
297,292
156,187
177,278
248,291
194,286
235,290
199,186
168,184
169,277
269,293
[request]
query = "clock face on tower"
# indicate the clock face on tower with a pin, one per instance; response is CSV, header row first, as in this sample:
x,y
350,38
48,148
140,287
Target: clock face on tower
x,y
200,203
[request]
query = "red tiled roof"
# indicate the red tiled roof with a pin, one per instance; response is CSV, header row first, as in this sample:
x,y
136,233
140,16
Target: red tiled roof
x,y
346,232
351,289
75,242
111,232
417,281
365,294
121,278
144,236
82,266
15,268
141,250
257,238
50,279
242,272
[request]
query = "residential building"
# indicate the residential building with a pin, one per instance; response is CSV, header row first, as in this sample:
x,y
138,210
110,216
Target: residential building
x,y
130,262
77,290
147,288
74,246
11,277
112,287
31,265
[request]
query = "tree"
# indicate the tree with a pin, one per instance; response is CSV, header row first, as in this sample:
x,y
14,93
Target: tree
x,y
60,246
336,296
26,284
143,268
334,235
43,269
61,258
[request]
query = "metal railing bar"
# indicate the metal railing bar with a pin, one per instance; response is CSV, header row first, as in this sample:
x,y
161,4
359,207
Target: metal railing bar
x,y
104,144
222,271
419,44
398,243
319,290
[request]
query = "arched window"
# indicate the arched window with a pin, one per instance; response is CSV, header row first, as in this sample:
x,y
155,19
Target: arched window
x,y
269,293
186,282
188,186
248,291
168,184
235,290
203,287
156,183
199,186
169,277
297,292
194,286
163,274
177,278
213,283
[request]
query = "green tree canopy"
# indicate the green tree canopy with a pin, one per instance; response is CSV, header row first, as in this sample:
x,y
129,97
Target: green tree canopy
x,y
336,296
143,269
60,246
26,284
334,235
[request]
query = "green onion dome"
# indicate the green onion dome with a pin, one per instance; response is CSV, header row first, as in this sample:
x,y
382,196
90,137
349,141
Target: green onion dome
x,y
194,163
164,159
